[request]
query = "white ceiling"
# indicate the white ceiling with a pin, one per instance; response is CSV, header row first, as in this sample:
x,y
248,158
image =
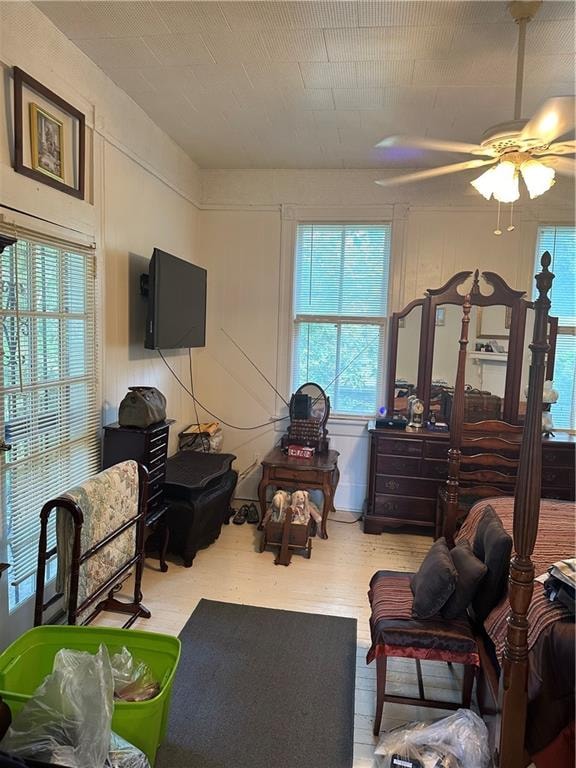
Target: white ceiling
x,y
317,84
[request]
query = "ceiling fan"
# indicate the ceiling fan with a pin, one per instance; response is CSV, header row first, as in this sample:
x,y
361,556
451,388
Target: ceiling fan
x,y
521,147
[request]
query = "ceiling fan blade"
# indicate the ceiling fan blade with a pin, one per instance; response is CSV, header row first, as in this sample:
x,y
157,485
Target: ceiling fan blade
x,y
554,118
438,145
562,148
432,173
563,165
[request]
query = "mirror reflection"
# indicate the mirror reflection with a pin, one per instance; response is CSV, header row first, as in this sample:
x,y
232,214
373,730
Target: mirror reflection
x,y
407,358
488,350
486,364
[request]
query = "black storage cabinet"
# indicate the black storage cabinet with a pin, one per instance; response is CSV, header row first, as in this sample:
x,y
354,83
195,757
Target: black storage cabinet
x,y
198,490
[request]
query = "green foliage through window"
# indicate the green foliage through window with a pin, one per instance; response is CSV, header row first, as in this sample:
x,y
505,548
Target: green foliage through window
x,y
340,306
560,242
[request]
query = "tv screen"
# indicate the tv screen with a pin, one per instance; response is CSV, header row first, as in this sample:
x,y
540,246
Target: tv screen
x,y
176,303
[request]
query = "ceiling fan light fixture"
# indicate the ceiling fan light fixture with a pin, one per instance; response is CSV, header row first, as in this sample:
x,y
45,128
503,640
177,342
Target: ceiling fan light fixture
x,y
537,177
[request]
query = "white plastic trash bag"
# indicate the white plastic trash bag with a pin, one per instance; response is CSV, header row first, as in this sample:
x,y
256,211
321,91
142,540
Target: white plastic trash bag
x,y
124,755
458,741
68,719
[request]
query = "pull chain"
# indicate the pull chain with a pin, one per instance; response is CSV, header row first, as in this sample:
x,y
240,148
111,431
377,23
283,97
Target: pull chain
x,y
511,228
498,231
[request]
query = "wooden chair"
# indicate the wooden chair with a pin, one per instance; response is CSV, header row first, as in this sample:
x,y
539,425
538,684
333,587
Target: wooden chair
x,y
395,632
483,457
484,465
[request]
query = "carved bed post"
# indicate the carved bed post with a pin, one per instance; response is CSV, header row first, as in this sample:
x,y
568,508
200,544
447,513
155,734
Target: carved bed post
x,y
456,426
513,679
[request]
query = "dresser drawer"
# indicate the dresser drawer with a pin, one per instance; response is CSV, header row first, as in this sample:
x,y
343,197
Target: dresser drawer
x,y
435,449
407,486
397,465
564,494
435,468
300,476
557,476
406,510
556,457
398,447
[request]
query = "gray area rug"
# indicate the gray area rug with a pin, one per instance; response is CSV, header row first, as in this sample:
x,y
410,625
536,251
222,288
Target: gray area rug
x,y
261,688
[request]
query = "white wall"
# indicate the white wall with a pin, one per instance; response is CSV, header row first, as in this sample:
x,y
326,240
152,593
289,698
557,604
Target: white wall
x,y
142,191
438,230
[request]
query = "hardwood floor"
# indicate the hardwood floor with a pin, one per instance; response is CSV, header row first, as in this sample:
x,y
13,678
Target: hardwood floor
x,y
334,581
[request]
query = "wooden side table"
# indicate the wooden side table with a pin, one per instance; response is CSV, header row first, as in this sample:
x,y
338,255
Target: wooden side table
x,y
318,473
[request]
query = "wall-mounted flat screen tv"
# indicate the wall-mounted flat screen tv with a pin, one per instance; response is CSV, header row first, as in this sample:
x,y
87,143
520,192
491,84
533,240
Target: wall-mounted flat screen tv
x,y
176,303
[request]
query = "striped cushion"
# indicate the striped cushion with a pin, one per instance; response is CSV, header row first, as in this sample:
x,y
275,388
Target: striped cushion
x,y
395,632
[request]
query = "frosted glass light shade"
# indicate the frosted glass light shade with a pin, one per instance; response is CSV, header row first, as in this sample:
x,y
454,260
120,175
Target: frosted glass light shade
x,y
484,183
500,181
506,188
537,177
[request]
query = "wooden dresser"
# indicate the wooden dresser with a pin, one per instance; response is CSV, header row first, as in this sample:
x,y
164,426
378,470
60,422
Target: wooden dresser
x,y
406,469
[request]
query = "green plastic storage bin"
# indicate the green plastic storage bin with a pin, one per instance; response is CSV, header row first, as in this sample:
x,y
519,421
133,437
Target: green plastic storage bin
x,y
27,661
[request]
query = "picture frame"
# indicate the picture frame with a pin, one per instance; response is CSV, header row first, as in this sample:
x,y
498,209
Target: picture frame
x,y
49,137
440,315
493,322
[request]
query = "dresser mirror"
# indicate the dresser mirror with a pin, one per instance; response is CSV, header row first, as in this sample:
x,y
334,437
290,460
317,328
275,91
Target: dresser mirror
x,y
423,359
407,353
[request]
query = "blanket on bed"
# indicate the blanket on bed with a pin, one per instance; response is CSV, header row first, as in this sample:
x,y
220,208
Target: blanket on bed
x,y
555,541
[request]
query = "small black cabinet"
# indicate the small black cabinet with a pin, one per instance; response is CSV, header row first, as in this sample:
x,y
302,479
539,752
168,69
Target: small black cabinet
x,y
148,446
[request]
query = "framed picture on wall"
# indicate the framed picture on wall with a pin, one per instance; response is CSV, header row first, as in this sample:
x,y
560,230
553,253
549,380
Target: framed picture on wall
x,y
49,136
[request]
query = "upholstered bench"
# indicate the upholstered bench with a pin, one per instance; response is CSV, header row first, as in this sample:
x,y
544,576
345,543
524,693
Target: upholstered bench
x,y
394,632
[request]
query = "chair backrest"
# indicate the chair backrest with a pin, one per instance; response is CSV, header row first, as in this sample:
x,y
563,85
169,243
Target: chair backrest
x,y
483,457
490,453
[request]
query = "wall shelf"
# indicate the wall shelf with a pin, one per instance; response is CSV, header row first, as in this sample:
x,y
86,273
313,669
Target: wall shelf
x,y
495,357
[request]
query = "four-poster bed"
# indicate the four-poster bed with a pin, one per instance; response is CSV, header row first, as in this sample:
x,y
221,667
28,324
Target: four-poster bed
x,y
503,689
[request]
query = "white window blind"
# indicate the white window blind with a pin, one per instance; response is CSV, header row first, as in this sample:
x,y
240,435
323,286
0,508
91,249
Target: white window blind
x,y
49,414
560,242
340,306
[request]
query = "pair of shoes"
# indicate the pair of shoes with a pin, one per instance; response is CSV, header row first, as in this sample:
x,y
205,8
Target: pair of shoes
x,y
253,517
241,515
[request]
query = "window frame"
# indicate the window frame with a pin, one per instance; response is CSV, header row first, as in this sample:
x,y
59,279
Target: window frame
x,y
291,216
74,241
562,330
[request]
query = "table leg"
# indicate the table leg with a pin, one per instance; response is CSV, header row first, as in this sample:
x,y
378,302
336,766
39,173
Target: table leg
x,y
164,548
329,485
327,505
262,496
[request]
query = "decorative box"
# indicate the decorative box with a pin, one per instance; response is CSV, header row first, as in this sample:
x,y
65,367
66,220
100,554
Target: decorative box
x,y
300,451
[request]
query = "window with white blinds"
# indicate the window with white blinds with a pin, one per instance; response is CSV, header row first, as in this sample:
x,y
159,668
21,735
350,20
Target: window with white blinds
x,y
560,242
339,312
48,378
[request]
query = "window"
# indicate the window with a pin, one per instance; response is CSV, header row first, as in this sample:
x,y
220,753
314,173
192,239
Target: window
x,y
560,242
339,312
48,382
